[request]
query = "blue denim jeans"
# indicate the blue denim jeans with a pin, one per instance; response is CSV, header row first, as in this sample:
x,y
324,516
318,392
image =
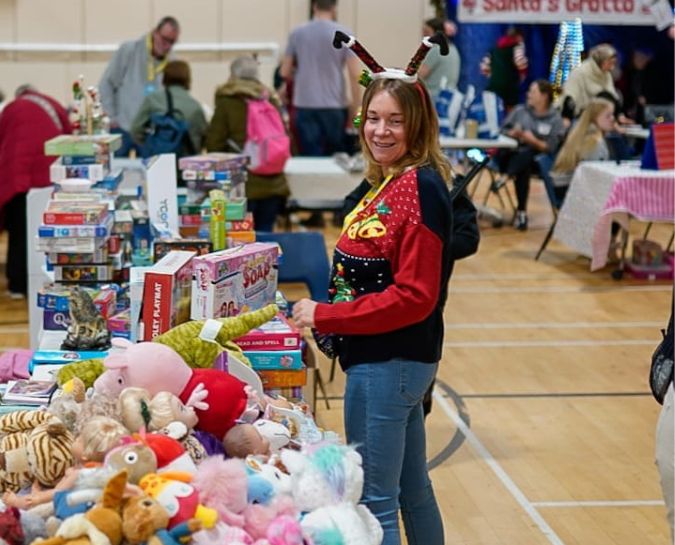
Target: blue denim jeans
x,y
321,131
383,418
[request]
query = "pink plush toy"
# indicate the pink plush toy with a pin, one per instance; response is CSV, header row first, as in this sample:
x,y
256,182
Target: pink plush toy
x,y
219,398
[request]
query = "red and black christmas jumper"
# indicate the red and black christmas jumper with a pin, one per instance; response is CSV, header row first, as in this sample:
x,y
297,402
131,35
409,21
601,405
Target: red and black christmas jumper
x,y
395,260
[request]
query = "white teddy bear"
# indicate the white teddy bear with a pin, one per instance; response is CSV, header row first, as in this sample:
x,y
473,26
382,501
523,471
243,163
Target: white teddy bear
x,y
326,483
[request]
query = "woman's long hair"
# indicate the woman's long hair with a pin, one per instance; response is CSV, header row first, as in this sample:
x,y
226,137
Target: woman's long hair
x,y
421,129
583,138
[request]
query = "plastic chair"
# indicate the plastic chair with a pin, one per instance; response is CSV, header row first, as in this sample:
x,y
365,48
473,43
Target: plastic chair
x,y
304,260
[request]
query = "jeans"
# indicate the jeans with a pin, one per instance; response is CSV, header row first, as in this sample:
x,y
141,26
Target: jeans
x,y
519,164
17,244
321,131
265,211
384,420
127,143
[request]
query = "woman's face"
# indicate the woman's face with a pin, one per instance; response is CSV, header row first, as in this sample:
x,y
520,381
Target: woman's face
x,y
384,130
605,119
608,64
535,98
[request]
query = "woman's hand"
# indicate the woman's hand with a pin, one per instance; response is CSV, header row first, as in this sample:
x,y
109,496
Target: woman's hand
x,y
303,313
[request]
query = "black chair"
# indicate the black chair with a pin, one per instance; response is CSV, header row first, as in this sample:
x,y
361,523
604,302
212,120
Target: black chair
x,y
555,195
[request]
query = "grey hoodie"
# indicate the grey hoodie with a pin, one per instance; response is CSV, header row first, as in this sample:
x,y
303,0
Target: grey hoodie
x,y
548,127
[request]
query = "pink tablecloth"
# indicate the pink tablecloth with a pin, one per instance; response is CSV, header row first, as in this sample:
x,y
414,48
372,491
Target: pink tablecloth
x,y
602,192
647,196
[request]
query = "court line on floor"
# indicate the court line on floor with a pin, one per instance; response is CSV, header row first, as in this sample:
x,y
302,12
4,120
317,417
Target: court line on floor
x,y
497,469
11,328
525,276
526,395
552,343
553,325
600,503
561,289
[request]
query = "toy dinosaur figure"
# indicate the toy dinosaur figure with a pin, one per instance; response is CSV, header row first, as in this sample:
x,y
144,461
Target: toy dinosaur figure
x,y
87,329
197,352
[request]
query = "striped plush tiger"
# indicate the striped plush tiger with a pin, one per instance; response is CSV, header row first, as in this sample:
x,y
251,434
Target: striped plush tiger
x,y
39,453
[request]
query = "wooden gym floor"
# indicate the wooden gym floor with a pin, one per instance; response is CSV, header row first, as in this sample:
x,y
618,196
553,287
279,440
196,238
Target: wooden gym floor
x,y
542,431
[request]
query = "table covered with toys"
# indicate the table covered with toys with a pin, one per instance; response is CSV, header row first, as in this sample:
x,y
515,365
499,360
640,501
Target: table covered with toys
x,y
171,408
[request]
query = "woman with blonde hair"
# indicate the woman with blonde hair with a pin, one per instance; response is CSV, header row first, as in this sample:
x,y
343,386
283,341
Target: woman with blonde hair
x,y
586,142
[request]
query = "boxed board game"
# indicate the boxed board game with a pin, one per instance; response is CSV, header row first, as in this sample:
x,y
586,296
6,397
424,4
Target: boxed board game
x,y
274,359
277,334
234,280
166,294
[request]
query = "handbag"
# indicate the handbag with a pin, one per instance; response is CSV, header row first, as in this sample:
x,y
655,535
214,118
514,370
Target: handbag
x,y
661,371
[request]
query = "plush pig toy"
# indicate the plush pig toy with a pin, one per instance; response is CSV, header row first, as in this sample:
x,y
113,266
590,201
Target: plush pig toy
x,y
218,397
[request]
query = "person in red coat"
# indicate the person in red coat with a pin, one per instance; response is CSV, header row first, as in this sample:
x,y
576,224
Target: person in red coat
x,y
25,124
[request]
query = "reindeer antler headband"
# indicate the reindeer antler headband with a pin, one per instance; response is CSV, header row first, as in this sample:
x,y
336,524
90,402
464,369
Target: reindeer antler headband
x,y
377,71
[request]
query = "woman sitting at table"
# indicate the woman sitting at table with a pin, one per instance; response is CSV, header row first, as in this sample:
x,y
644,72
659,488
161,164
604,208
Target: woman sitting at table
x,y
586,142
538,128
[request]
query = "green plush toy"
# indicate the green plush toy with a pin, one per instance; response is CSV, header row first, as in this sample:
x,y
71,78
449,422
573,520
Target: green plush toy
x,y
198,353
86,370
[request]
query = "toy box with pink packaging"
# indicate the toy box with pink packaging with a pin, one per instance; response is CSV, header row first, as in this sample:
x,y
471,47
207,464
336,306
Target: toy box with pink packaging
x,y
235,280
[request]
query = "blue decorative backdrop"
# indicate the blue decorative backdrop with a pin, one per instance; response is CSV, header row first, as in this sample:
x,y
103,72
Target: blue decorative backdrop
x,y
475,40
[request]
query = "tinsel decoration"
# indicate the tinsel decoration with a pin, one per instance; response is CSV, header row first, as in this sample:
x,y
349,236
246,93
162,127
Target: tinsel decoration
x,y
566,54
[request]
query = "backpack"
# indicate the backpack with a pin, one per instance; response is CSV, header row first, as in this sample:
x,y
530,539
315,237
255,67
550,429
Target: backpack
x,y
267,144
165,133
661,370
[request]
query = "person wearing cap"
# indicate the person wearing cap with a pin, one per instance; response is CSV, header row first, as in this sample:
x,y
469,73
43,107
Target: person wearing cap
x,y
135,71
390,273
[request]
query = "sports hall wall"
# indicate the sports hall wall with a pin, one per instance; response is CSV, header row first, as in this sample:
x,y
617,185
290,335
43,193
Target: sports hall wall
x,y
390,29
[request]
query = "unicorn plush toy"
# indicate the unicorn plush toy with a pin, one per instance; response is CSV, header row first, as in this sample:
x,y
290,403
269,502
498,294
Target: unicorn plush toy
x,y
327,481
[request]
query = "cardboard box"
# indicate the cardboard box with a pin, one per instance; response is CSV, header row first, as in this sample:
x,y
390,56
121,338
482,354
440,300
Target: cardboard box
x,y
234,280
274,359
277,334
166,294
283,378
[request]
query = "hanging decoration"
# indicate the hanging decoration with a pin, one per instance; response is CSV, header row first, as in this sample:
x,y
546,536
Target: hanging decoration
x,y
567,53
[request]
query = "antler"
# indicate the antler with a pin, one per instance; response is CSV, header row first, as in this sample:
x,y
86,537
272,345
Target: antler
x,y
423,49
352,43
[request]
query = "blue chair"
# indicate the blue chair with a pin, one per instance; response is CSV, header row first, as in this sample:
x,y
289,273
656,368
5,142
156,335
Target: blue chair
x,y
304,260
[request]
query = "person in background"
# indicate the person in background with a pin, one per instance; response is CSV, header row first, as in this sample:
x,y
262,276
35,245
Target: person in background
x,y
321,107
176,80
590,78
134,72
506,67
439,71
585,142
26,124
319,90
390,274
538,128
266,195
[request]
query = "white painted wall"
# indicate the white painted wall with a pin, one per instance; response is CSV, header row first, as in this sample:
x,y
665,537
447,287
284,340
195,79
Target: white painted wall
x,y
389,29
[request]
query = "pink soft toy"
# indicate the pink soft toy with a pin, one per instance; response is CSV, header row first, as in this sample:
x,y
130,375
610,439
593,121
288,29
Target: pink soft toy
x,y
219,398
223,485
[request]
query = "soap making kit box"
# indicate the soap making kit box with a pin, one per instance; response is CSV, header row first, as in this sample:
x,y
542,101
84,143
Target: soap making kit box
x,y
235,280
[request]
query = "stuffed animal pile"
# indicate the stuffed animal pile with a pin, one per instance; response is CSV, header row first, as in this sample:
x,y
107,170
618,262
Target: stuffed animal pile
x,y
160,452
